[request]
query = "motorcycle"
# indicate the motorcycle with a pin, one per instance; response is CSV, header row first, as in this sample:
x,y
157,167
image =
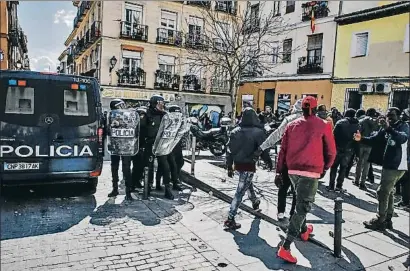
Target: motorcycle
x,y
215,139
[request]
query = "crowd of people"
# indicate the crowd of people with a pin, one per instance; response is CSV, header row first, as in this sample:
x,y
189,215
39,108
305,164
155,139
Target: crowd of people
x,y
313,141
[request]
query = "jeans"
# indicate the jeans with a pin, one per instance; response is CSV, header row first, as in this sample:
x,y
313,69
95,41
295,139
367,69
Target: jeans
x,y
305,189
244,185
363,165
283,193
341,161
386,190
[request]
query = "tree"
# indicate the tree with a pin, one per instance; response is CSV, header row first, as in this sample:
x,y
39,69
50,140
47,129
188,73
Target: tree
x,y
235,42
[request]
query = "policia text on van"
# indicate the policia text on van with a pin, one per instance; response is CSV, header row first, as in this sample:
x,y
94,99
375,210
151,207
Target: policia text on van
x,y
51,129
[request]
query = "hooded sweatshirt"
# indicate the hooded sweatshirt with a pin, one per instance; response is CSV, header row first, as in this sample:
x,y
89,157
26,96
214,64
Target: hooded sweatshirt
x,y
278,133
244,141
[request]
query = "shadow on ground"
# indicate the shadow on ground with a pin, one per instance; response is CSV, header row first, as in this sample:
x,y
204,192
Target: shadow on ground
x,y
254,246
150,212
27,213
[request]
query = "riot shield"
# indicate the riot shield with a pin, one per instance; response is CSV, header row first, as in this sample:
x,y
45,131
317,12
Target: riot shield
x,y
167,133
123,128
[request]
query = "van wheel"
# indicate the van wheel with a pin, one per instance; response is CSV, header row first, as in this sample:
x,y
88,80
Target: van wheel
x,y
91,186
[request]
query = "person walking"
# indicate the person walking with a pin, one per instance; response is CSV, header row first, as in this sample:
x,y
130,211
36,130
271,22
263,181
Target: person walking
x,y
240,156
308,150
343,134
405,180
269,143
393,136
368,125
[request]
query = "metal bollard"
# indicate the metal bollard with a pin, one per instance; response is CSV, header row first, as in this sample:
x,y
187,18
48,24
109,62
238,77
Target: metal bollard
x,y
193,149
337,238
146,183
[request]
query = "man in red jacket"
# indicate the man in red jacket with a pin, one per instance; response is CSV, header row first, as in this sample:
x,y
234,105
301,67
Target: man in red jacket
x,y
308,150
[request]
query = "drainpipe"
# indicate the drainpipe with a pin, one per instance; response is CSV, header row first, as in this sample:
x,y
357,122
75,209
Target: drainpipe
x,y
334,47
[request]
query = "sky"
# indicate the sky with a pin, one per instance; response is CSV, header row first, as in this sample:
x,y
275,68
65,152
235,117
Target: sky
x,y
47,25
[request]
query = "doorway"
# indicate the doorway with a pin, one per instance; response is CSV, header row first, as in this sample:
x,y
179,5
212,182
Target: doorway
x,y
269,98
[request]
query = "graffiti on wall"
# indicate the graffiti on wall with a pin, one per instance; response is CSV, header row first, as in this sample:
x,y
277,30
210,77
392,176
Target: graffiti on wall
x,y
206,112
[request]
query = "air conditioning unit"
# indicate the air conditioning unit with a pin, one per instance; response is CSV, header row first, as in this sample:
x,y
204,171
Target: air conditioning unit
x,y
366,88
382,87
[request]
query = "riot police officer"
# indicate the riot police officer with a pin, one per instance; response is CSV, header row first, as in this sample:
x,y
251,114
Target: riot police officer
x,y
115,162
176,158
151,126
138,159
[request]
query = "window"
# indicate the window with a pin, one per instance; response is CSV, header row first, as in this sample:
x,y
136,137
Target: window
x,y
133,17
192,68
168,20
75,103
166,63
223,30
406,46
20,101
254,14
195,28
290,6
360,44
353,99
314,48
131,61
275,52
287,51
400,98
276,8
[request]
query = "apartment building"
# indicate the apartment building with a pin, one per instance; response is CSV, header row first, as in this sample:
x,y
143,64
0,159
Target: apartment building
x,y
13,41
139,48
372,58
302,56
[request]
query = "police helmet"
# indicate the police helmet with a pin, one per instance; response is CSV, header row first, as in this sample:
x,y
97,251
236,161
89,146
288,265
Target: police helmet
x,y
142,110
155,99
117,104
174,108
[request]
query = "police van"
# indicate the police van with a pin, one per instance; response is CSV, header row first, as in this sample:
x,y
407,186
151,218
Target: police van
x,y
51,129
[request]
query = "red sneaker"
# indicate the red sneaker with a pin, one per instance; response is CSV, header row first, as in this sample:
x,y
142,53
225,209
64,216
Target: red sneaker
x,y
286,255
305,236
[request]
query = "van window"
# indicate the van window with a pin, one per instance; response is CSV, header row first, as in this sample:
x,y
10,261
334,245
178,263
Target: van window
x,y
20,100
75,103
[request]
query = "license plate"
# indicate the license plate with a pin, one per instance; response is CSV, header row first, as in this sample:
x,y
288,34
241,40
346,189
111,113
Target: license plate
x,y
21,166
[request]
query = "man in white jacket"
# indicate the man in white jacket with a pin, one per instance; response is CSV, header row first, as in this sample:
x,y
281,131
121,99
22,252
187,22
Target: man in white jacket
x,y
270,142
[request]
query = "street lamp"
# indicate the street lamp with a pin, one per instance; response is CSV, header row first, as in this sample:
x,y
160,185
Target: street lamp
x,y
113,62
18,64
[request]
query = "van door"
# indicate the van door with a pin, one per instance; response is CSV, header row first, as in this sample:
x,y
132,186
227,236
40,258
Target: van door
x,y
73,134
24,133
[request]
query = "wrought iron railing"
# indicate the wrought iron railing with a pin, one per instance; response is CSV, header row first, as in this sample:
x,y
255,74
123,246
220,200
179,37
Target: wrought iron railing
x,y
219,86
320,10
166,80
191,82
204,4
196,41
134,31
169,36
312,64
135,78
226,6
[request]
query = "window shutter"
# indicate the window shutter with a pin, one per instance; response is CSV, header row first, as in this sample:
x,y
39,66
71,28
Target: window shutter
x,y
168,15
166,60
196,21
131,54
361,44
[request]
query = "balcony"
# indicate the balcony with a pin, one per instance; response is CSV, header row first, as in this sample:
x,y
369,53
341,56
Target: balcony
x,y
76,22
135,78
309,65
200,42
23,42
70,59
193,83
320,9
14,36
84,7
79,48
204,4
221,46
166,80
226,6
134,31
220,86
169,37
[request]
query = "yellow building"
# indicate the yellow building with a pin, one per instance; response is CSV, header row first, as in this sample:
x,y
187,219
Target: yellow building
x,y
372,58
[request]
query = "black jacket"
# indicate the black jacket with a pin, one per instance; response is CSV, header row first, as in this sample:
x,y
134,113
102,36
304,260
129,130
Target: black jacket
x,y
245,140
389,147
367,126
344,131
150,125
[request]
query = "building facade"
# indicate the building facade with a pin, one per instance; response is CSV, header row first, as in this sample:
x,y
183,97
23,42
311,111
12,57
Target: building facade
x,y
302,56
372,58
13,41
138,48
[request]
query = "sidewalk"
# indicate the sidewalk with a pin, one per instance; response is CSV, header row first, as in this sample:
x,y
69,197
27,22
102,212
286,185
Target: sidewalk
x,y
363,249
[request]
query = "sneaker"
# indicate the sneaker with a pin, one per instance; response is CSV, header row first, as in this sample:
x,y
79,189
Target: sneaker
x,y
305,236
363,187
256,204
230,224
286,255
375,225
281,216
356,183
340,190
330,189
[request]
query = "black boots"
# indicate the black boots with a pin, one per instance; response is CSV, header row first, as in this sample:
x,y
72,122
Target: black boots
x,y
114,191
128,195
168,192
